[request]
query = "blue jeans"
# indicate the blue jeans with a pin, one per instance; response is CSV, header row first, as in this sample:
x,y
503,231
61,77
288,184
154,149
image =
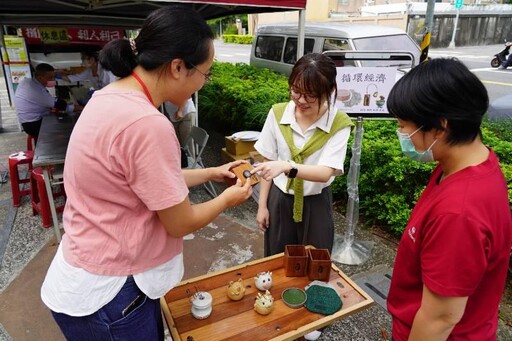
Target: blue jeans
x,y
143,322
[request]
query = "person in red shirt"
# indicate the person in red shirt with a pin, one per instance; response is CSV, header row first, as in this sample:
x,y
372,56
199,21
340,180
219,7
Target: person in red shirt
x,y
452,261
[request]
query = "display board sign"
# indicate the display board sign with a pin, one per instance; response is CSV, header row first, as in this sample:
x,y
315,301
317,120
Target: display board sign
x,y
365,79
16,50
15,61
70,35
18,73
364,90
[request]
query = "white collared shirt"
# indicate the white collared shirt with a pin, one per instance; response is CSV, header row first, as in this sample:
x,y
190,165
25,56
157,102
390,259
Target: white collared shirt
x,y
272,145
103,79
77,292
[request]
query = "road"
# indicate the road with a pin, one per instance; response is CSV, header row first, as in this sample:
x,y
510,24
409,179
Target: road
x,y
476,58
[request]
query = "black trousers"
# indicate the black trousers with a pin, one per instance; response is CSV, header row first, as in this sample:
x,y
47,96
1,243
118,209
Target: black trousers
x,y
32,128
316,227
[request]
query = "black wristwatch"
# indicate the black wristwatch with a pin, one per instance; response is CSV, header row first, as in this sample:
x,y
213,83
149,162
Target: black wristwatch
x,y
293,171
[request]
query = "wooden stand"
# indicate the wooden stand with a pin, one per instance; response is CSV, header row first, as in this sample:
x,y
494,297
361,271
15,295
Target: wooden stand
x,y
237,320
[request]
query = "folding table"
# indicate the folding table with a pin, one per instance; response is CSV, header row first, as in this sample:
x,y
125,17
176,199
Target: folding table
x,y
50,151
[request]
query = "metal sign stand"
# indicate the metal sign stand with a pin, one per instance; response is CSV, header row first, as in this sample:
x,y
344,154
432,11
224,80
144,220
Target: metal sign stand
x,y
348,250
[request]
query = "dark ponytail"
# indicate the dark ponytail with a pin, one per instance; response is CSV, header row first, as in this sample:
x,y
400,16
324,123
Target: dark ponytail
x,y
117,57
168,33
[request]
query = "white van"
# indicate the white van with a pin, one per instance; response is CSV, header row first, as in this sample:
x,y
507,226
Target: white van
x,y
275,46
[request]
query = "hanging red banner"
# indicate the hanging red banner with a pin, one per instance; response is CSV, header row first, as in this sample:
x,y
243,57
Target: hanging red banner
x,y
257,3
69,35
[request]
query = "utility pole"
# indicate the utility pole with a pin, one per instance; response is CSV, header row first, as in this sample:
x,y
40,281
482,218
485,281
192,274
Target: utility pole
x,y
427,26
458,6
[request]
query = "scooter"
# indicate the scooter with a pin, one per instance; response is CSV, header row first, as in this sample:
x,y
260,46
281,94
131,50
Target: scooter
x,y
501,56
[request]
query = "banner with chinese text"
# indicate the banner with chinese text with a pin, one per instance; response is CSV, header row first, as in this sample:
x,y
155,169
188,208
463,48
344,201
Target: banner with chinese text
x,y
71,35
364,90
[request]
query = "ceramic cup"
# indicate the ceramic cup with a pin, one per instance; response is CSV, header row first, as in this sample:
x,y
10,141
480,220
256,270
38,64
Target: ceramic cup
x,y
201,305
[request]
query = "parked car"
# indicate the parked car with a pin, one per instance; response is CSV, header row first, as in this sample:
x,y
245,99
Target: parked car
x,y
275,46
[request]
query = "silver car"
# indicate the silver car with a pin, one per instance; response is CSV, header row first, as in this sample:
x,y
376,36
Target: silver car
x,y
275,46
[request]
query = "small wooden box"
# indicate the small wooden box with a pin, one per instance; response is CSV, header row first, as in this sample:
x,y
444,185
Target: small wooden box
x,y
319,264
239,172
295,260
238,147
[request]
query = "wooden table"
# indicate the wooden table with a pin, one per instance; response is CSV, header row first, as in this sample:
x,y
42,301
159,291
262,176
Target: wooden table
x,y
236,320
50,151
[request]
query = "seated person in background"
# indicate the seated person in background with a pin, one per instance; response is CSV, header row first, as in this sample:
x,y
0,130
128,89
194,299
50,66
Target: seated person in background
x,y
33,101
94,75
181,118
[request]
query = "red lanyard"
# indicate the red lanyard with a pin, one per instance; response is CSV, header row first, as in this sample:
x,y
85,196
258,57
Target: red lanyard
x,y
144,87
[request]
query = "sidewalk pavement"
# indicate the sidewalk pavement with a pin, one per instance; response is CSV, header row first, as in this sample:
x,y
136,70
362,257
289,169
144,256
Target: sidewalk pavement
x,y
26,250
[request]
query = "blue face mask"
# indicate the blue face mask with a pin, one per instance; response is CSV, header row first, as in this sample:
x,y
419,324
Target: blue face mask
x,y
410,151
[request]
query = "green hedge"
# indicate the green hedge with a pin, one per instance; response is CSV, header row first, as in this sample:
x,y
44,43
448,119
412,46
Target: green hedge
x,y
240,96
231,29
237,39
390,183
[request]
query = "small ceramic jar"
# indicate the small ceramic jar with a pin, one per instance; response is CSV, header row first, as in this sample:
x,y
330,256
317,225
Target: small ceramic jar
x,y
263,281
236,290
264,303
201,305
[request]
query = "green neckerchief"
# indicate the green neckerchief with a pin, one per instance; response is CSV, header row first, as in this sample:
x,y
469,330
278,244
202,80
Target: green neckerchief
x,y
317,141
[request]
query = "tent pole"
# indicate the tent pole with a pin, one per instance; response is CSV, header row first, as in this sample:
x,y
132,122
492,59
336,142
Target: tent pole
x,y
301,36
195,119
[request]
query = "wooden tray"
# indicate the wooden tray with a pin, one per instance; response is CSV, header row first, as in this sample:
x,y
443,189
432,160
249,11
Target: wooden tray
x,y
237,320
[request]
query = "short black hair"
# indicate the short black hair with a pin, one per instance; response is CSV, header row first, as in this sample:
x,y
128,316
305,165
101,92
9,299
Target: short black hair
x,y
43,68
168,33
439,91
90,54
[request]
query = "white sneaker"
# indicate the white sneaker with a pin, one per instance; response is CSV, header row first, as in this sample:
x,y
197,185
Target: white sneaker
x,y
501,67
314,335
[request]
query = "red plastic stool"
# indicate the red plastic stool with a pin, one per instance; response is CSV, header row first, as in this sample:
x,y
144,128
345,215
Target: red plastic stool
x,y
40,203
15,160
